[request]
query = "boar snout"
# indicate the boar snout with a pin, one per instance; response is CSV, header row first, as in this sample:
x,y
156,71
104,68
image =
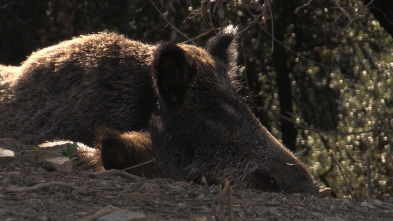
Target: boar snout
x,y
290,178
263,182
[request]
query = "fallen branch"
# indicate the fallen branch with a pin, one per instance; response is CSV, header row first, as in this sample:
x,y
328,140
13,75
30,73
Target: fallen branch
x,y
225,196
331,152
138,165
214,210
230,206
37,187
115,172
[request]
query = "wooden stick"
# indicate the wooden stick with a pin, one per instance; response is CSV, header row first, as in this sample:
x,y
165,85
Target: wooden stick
x,y
225,196
230,206
138,165
331,152
112,172
222,201
204,182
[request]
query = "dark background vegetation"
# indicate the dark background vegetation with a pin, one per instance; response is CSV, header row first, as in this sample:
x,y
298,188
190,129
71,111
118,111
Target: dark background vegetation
x,y
319,72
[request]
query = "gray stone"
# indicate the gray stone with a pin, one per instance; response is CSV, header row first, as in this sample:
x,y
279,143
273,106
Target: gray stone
x,y
123,215
60,164
6,156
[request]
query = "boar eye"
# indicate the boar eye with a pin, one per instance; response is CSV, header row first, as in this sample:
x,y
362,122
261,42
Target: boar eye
x,y
217,114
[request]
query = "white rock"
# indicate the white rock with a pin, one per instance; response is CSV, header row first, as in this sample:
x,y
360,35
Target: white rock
x,y
60,164
6,156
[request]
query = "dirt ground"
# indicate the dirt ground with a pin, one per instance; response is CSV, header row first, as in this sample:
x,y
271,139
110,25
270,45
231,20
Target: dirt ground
x,y
30,192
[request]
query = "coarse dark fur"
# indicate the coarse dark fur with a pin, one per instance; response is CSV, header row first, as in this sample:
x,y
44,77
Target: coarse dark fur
x,y
68,90
199,125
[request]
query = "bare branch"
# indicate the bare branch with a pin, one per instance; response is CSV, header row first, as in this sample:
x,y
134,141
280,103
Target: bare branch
x,y
267,4
343,11
331,152
210,15
271,35
304,127
199,36
214,209
169,23
225,197
351,20
254,21
303,6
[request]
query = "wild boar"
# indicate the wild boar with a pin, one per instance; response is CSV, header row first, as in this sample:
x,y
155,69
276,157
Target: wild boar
x,y
199,125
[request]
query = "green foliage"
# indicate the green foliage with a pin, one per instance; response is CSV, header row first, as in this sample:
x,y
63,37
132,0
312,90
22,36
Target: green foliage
x,y
71,150
339,62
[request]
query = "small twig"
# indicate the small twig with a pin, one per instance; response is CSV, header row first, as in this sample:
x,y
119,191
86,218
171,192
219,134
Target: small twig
x,y
204,182
255,21
368,177
169,23
138,165
371,6
343,11
210,14
37,187
199,36
303,6
341,133
222,200
230,206
225,197
331,152
351,20
112,172
267,3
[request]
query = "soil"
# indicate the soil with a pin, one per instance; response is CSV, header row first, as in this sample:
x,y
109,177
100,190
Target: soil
x,y
30,192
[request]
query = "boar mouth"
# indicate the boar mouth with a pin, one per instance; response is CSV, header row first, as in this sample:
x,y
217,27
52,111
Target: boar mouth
x,y
262,181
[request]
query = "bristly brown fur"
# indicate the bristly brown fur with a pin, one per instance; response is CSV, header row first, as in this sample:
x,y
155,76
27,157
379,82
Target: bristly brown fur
x,y
174,103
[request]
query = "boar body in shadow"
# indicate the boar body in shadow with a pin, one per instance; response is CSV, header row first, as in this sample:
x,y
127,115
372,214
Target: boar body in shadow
x,y
68,90
205,129
199,125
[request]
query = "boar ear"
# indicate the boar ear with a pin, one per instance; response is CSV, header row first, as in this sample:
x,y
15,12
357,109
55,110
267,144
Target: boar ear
x,y
224,46
173,74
